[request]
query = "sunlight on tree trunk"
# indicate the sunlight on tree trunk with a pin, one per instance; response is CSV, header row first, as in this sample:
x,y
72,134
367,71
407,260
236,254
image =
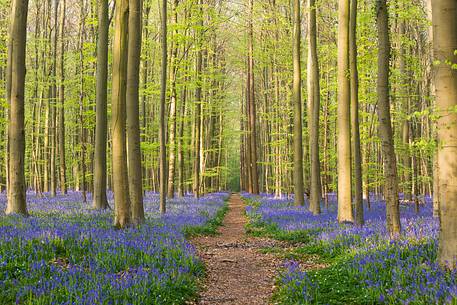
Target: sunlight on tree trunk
x,y
120,173
345,213
314,112
298,138
445,58
100,201
15,97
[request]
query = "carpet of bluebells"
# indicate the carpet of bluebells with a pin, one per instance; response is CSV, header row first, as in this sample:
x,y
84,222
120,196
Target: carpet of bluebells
x,y
364,265
66,253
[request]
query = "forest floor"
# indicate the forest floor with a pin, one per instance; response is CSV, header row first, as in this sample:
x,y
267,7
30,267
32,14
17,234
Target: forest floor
x,y
237,270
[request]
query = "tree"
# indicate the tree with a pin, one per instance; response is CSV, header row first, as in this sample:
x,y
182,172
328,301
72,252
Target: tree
x,y
298,137
385,125
198,104
358,199
53,101
133,111
173,101
163,96
445,55
314,111
120,173
345,213
252,104
15,98
101,123
62,163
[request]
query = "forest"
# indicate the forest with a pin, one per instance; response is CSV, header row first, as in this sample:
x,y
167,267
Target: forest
x,y
228,152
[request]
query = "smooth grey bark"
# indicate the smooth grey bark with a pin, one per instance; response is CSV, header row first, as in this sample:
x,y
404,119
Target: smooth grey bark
x,y
357,153
101,123
162,125
297,102
445,46
15,97
120,173
133,112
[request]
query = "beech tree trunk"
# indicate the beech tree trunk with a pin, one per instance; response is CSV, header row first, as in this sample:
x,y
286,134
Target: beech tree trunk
x,y
314,112
15,97
252,103
62,161
345,213
133,111
445,46
163,120
101,124
298,136
120,173
198,106
358,199
385,125
173,101
53,102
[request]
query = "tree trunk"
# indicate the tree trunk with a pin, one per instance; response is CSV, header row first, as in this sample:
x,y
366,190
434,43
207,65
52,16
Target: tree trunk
x,y
345,213
405,129
62,161
53,102
120,173
298,136
15,97
314,112
182,113
163,96
173,101
252,103
100,201
358,200
385,125
198,105
445,44
82,93
133,111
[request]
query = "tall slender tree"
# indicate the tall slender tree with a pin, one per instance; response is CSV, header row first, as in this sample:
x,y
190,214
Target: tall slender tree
x,y
345,213
15,97
445,55
101,123
198,103
62,161
173,105
314,111
252,103
163,96
53,98
298,136
120,172
133,111
357,153
385,124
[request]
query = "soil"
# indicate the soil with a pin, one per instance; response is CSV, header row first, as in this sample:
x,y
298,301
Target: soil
x,y
238,272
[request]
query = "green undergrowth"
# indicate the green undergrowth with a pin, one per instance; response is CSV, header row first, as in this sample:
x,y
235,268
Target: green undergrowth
x,y
211,227
333,285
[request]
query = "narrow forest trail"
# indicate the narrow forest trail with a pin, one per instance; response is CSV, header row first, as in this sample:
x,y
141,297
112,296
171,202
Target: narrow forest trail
x,y
237,272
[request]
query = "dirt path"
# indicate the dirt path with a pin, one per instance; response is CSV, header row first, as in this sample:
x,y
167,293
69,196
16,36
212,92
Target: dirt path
x,y
237,272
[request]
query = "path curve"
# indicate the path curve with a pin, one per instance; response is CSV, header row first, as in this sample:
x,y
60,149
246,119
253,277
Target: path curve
x,y
237,273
